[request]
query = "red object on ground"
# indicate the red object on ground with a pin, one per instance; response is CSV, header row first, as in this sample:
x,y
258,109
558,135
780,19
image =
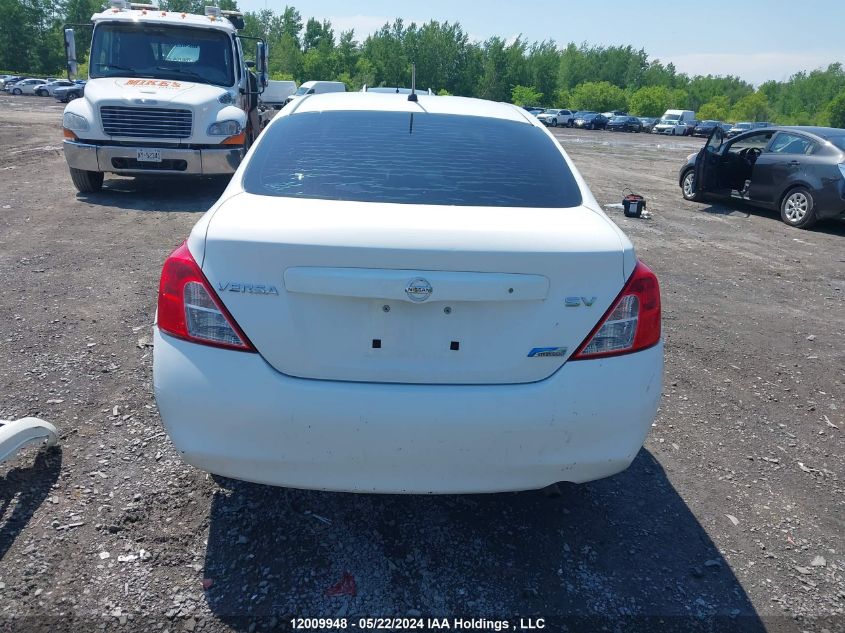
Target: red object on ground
x,y
207,582
346,586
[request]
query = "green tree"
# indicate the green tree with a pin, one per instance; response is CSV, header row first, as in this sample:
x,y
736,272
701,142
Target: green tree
x,y
717,109
703,90
562,98
754,107
542,63
318,34
651,101
600,96
525,96
835,111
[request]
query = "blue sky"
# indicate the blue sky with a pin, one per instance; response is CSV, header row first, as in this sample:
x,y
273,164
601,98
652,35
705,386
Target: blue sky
x,y
755,39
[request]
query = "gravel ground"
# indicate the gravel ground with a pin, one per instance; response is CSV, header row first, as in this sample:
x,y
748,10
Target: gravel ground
x,y
730,519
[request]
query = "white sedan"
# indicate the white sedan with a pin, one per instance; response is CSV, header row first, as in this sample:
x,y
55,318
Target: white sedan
x,y
389,298
26,87
670,126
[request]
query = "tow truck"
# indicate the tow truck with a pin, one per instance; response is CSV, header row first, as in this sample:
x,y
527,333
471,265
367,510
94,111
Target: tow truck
x,y
168,92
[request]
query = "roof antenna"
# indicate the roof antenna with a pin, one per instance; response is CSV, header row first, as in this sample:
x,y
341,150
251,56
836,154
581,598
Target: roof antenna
x,y
413,95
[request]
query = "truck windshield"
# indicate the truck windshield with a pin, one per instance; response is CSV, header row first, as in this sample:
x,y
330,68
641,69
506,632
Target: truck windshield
x,y
162,52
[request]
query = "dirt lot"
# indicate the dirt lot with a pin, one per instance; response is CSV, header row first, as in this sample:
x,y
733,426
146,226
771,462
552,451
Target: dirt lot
x,y
730,519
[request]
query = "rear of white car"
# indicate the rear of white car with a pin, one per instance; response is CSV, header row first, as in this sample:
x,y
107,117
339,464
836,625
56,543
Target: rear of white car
x,y
372,312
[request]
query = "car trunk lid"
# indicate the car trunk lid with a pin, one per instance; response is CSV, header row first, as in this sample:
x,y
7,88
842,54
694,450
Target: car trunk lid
x,y
412,293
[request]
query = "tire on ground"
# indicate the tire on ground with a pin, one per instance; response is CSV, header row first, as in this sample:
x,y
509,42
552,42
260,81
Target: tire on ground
x,y
798,208
695,196
86,181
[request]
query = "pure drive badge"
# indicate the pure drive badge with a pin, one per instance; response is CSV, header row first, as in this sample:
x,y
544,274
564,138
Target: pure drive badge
x,y
545,352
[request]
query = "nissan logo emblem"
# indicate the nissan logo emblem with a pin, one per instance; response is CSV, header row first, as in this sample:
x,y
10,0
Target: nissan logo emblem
x,y
418,289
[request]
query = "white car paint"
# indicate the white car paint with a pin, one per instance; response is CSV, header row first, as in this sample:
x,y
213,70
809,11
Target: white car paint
x,y
26,86
674,122
557,117
277,92
672,128
315,88
314,408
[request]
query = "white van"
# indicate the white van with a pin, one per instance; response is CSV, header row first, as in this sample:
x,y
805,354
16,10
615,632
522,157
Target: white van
x,y
276,93
316,88
675,122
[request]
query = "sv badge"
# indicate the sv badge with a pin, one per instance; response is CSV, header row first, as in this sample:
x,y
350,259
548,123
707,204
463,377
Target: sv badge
x,y
577,302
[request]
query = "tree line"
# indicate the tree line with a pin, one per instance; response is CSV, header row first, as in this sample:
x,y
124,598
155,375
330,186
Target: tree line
x,y
527,73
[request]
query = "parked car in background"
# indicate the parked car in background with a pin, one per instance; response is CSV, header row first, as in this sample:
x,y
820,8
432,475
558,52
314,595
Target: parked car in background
x,y
11,81
69,93
614,113
705,128
625,124
26,86
554,117
514,372
691,126
673,127
536,111
739,128
276,93
593,121
799,171
648,122
315,88
8,80
49,89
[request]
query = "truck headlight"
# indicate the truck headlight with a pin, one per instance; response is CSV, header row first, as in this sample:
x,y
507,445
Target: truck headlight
x,y
75,122
224,128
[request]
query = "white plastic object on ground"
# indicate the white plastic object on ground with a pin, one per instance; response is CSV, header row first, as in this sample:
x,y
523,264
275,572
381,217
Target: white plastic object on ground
x,y
17,434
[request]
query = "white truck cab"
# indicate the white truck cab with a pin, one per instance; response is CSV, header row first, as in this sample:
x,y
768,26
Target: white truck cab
x,y
168,93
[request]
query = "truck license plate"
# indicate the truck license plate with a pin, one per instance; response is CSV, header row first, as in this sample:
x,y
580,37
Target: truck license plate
x,y
149,155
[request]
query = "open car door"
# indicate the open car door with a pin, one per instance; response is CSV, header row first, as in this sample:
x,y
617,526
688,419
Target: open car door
x,y
708,163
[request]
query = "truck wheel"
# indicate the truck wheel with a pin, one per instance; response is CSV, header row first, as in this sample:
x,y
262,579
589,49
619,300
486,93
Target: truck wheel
x,y
86,181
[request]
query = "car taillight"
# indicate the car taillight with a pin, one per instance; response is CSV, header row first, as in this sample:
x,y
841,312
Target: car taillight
x,y
631,324
189,308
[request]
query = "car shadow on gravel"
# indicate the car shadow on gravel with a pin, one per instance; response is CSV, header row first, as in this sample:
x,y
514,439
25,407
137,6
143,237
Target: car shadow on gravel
x,y
745,210
145,193
23,490
624,551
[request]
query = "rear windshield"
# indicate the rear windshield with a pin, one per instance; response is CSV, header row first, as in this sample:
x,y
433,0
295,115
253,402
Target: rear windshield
x,y
397,157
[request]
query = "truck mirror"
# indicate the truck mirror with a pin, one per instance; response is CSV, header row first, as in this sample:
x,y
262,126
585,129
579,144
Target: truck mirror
x,y
261,63
70,52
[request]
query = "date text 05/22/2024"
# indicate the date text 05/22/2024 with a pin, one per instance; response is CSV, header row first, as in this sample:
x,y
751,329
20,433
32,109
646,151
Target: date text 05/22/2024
x,y
418,624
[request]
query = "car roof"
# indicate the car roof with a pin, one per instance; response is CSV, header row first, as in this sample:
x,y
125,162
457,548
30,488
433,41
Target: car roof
x,y
823,132
381,102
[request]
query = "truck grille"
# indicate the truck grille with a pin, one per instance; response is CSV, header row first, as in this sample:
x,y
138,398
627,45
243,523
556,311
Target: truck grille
x,y
146,122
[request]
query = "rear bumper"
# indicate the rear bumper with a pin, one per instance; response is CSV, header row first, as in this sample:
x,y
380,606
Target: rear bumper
x,y
232,414
122,160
